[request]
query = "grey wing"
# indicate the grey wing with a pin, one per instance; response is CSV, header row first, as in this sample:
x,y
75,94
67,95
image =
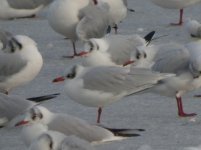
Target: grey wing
x,y
70,142
171,59
118,80
121,47
27,4
11,106
70,125
93,24
10,64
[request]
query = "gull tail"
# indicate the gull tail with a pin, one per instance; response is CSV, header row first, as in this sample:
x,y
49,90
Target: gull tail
x,y
43,98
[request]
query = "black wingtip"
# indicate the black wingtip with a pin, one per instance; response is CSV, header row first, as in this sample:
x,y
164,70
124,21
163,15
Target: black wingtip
x,y
193,36
43,98
131,10
124,132
149,36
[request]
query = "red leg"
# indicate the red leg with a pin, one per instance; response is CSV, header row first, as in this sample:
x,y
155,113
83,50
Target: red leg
x,y
99,114
181,113
180,19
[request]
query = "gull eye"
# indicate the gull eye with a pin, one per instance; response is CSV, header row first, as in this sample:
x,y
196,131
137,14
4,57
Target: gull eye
x,y
40,115
70,76
145,55
34,117
138,55
91,48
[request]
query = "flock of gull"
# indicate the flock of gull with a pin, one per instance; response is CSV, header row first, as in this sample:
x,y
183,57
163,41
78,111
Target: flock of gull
x,y
113,66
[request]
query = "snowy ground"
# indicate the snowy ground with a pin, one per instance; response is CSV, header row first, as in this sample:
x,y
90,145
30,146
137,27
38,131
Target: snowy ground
x,y
157,114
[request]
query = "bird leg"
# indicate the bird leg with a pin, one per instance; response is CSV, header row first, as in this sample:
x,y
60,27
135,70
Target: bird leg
x,y
181,113
74,51
115,28
180,18
99,114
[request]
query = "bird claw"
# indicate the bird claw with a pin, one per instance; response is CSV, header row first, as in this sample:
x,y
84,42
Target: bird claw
x,y
187,115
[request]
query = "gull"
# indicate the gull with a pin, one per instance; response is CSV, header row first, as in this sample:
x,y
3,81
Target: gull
x,y
11,9
103,85
115,49
58,141
20,61
13,107
68,125
79,19
194,28
176,4
182,60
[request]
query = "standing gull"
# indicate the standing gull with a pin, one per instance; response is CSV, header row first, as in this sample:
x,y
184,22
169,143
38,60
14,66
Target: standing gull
x,y
79,19
103,85
176,4
185,62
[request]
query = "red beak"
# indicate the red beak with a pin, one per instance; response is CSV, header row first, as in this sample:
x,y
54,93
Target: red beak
x,y
58,79
23,122
128,62
82,53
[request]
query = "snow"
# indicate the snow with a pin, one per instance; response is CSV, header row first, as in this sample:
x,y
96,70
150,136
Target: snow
x,y
154,113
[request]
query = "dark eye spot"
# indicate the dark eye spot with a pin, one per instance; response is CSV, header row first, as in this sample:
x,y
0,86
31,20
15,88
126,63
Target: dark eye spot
x,y
91,46
40,115
70,76
145,55
138,55
34,117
